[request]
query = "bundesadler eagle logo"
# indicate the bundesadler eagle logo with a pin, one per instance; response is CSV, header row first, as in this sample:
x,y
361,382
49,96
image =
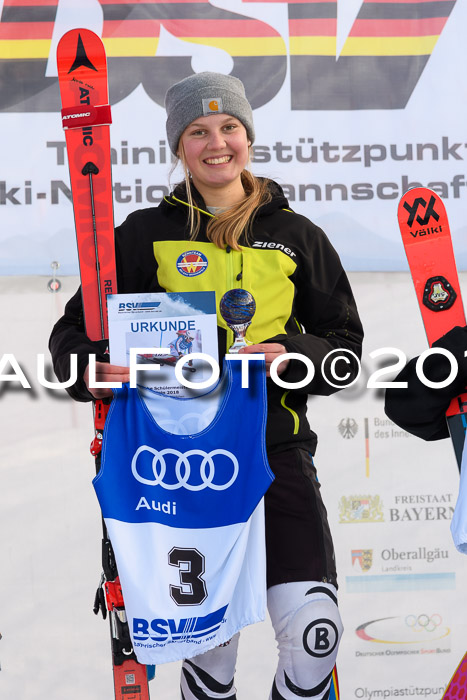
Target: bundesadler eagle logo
x,y
348,428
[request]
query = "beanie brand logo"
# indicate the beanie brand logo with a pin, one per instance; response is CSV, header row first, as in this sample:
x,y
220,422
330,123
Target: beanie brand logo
x,y
212,105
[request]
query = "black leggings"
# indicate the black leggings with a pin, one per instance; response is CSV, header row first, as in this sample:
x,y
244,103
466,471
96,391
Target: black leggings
x,y
298,539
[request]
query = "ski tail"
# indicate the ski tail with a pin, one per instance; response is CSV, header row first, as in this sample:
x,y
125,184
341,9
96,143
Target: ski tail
x,y
130,677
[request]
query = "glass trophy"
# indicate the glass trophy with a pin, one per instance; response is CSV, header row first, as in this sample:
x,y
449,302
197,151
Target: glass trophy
x,y
237,308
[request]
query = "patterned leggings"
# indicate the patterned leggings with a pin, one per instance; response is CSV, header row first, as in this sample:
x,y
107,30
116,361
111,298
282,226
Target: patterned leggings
x,y
308,629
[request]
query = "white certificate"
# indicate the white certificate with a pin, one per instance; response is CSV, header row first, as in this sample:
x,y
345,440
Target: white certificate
x,y
184,323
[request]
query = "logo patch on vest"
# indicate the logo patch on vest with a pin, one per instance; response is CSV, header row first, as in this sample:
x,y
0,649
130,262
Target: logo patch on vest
x,y
192,263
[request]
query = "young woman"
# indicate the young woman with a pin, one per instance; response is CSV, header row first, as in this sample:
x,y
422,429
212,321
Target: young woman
x,y
243,233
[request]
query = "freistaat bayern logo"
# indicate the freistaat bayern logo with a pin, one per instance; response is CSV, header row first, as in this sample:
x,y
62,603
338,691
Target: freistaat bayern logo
x,y
361,509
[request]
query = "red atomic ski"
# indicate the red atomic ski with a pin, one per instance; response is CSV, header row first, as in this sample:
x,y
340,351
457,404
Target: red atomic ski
x,y
82,72
82,75
426,236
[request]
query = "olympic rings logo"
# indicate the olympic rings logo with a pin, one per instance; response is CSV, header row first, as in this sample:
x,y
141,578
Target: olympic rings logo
x,y
423,621
183,469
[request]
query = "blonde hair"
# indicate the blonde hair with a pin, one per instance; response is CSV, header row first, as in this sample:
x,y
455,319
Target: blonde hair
x,y
226,228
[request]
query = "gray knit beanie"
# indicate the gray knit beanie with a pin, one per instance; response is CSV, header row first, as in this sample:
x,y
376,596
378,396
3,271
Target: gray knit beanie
x,y
202,94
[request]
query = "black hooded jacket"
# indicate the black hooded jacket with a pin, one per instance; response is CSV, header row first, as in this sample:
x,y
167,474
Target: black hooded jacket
x,y
303,297
419,408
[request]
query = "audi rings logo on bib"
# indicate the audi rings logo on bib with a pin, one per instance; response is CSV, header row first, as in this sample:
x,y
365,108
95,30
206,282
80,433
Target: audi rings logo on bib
x,y
191,263
194,470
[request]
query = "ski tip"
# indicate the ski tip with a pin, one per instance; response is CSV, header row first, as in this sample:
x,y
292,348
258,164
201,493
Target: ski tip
x,y
418,197
78,45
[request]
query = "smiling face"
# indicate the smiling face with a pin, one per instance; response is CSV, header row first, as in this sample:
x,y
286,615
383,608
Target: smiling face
x,y
215,150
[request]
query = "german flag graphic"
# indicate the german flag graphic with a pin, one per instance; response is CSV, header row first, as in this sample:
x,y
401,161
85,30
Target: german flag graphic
x,y
26,29
313,28
378,68
132,29
381,61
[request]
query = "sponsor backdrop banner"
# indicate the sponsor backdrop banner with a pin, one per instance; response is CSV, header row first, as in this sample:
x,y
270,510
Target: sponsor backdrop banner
x,y
354,103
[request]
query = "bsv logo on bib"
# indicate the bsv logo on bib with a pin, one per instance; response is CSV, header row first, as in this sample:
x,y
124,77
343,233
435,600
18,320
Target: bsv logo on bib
x,y
183,630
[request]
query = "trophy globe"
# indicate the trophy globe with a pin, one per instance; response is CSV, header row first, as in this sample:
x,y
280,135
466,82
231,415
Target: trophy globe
x,y
237,308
